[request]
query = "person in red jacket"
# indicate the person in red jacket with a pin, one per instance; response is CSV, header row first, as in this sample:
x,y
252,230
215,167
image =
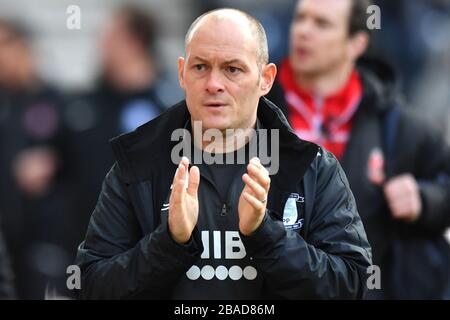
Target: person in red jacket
x,y
398,167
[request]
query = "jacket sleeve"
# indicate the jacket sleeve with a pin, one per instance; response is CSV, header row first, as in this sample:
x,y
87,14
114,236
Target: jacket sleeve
x,y
333,261
434,182
116,263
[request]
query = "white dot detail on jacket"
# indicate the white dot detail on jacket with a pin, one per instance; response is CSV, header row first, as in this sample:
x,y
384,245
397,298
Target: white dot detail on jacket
x,y
221,272
225,246
207,272
193,273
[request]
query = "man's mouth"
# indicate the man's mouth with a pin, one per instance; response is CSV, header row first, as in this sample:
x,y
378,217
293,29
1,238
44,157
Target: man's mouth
x,y
303,52
215,104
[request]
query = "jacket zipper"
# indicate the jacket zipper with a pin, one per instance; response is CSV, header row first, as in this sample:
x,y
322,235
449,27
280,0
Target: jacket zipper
x,y
225,209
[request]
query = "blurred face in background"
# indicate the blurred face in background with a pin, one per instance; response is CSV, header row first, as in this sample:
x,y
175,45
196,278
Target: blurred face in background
x,y
117,45
319,36
16,63
221,76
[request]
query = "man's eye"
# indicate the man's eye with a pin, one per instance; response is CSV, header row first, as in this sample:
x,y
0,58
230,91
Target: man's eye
x,y
299,18
233,70
199,67
322,23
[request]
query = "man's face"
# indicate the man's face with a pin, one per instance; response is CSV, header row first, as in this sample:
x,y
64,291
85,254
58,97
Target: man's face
x,y
319,39
115,42
13,54
220,75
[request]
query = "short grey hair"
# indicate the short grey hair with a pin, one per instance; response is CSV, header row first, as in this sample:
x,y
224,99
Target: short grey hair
x,y
256,28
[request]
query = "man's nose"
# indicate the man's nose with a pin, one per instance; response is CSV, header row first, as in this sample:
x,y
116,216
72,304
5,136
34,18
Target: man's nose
x,y
214,83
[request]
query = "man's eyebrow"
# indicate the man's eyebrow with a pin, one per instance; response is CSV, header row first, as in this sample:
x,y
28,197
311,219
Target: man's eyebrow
x,y
199,59
232,61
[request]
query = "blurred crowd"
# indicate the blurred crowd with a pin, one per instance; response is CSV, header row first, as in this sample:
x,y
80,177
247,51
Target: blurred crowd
x,y
54,150
54,146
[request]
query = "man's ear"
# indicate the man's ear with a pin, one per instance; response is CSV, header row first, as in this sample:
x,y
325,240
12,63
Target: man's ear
x,y
181,62
269,73
358,45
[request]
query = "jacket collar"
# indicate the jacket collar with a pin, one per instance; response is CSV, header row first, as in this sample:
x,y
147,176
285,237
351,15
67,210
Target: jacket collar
x,y
146,152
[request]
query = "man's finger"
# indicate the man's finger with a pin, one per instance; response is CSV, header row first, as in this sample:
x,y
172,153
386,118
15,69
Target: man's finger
x,y
259,175
182,169
258,164
255,203
402,209
178,184
394,191
194,181
185,162
258,190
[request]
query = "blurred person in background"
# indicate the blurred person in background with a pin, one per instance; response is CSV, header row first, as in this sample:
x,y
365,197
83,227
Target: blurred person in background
x,y
7,290
398,168
33,196
421,57
124,98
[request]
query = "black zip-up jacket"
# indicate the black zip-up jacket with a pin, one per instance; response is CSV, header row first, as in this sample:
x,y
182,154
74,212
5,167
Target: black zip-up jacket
x,y
128,252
